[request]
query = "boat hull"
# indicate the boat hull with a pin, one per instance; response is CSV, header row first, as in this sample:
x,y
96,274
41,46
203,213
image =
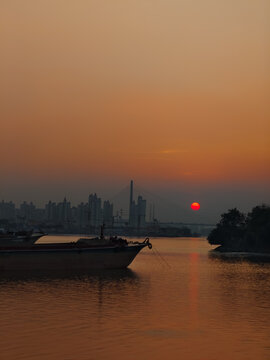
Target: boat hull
x,y
67,259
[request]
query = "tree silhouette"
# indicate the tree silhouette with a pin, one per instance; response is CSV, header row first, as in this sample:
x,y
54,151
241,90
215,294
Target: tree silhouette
x,y
238,232
258,227
229,230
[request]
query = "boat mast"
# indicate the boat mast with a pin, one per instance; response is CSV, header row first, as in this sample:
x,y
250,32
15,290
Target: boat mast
x,y
130,201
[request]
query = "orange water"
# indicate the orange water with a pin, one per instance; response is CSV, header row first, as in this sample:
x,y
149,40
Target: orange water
x,y
180,305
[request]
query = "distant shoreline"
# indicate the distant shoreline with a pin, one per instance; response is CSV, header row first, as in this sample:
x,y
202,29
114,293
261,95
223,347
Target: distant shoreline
x,y
224,249
237,254
129,235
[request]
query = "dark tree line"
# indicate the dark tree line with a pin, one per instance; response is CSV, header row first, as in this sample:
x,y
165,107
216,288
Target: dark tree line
x,y
239,232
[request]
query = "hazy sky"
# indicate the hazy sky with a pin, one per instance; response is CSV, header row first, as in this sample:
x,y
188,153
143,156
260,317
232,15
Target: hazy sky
x,y
174,94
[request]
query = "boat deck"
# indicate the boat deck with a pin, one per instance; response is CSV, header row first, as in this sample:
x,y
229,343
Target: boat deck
x,y
64,246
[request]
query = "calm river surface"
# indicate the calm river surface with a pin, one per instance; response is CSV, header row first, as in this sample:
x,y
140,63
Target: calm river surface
x,y
182,305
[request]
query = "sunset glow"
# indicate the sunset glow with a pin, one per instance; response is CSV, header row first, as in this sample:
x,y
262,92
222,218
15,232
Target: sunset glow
x,y
162,92
135,179
195,206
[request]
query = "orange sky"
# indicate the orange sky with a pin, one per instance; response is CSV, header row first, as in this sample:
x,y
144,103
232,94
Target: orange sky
x,y
174,90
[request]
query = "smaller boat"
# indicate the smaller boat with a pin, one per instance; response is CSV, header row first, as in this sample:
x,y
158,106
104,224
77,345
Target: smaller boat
x,y
19,238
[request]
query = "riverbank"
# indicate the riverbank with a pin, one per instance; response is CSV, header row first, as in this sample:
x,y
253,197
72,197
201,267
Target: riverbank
x,y
232,254
226,249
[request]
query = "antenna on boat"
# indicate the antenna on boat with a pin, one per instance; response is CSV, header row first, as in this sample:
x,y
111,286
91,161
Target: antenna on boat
x,y
102,231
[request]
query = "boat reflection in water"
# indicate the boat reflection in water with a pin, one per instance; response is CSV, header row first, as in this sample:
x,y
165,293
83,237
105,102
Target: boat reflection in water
x,y
198,308
92,276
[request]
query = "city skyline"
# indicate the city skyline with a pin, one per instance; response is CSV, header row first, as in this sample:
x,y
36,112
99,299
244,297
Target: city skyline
x,y
93,215
164,206
171,94
90,214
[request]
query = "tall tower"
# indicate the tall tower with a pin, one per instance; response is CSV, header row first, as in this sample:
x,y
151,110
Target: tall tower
x,y
131,202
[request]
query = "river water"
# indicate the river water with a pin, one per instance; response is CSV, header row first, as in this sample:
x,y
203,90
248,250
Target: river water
x,y
174,302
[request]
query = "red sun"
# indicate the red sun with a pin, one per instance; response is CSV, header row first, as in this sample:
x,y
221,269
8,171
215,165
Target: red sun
x,y
195,206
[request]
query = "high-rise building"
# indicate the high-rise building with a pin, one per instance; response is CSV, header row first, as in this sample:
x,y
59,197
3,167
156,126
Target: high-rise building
x,y
7,210
95,211
27,211
58,213
82,215
64,211
137,211
50,211
107,213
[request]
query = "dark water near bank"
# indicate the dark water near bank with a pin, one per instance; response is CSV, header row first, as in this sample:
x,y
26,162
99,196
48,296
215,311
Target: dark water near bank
x,y
183,305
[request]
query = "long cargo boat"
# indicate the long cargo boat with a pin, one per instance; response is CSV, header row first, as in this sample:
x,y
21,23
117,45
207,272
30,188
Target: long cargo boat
x,y
85,254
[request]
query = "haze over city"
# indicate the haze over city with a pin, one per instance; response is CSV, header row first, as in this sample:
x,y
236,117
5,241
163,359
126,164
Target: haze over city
x,y
171,94
134,179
